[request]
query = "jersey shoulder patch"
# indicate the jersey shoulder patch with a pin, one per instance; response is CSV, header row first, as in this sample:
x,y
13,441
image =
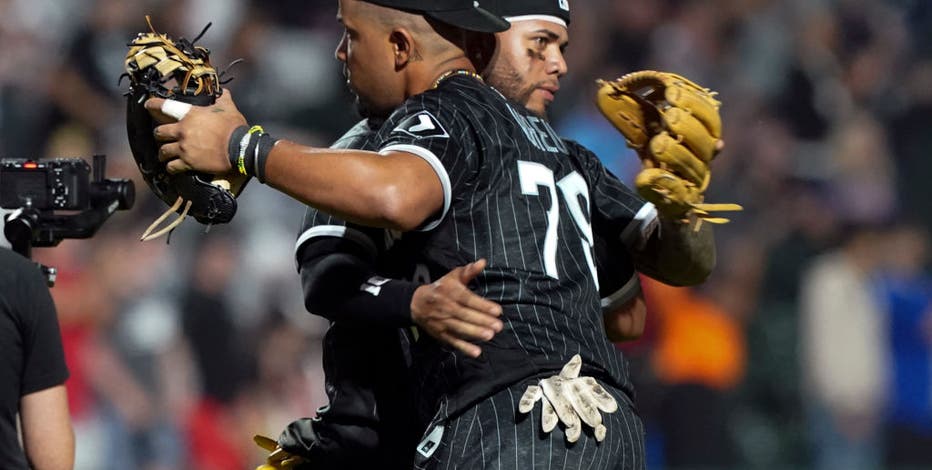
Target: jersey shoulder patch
x,y
421,125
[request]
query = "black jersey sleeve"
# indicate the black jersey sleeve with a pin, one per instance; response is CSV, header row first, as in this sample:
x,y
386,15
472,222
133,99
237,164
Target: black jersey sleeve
x,y
337,262
618,279
621,220
618,212
430,127
319,225
340,283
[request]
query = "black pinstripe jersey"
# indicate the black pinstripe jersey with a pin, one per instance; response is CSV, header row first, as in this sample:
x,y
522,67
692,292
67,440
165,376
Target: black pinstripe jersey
x,y
532,205
617,276
366,369
319,224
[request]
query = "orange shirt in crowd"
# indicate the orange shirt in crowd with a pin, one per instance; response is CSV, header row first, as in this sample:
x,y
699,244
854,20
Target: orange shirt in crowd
x,y
697,341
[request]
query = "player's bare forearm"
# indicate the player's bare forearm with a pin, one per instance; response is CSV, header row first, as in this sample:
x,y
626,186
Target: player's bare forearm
x,y
677,254
396,191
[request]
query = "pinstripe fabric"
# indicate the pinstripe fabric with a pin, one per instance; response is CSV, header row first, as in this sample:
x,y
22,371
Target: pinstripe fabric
x,y
618,280
493,435
367,422
474,140
521,198
317,225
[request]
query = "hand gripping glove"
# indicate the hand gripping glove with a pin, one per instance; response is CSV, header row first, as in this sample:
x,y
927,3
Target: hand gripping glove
x,y
570,399
278,458
675,127
157,66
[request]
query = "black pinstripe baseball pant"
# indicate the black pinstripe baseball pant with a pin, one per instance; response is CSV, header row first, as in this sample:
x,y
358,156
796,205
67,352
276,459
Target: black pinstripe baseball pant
x,y
493,435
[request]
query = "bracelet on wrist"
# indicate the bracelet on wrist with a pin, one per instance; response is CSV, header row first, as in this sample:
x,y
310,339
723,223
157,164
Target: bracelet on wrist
x,y
249,149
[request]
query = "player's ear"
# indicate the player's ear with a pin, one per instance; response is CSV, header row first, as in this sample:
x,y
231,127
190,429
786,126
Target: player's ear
x,y
403,47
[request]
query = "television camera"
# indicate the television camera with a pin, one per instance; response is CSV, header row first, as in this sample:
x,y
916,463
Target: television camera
x,y
56,199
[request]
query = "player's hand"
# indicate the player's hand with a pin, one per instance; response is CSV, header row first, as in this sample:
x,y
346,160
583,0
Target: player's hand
x,y
626,322
197,139
570,399
278,459
451,313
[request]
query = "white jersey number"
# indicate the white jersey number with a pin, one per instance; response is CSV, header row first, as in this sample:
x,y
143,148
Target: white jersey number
x,y
573,187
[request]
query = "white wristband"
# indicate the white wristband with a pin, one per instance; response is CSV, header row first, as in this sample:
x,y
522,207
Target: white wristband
x,y
175,109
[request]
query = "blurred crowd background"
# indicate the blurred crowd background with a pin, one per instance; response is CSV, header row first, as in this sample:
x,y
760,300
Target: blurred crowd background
x,y
809,347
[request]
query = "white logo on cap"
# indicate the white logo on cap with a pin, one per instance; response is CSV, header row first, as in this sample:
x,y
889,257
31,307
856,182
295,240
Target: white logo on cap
x,y
565,5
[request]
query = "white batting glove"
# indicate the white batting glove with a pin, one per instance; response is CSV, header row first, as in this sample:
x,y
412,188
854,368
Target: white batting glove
x,y
570,399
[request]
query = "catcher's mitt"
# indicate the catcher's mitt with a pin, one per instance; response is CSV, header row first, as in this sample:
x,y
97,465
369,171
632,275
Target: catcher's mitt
x,y
675,127
157,66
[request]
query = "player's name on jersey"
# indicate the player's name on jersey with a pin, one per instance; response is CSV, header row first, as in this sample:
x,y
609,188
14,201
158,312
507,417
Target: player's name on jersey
x,y
539,132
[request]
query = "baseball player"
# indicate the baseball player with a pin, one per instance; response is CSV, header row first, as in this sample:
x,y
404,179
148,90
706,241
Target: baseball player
x,y
328,250
476,176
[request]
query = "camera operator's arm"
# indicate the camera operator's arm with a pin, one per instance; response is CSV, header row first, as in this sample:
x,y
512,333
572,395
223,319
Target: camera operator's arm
x,y
47,435
46,427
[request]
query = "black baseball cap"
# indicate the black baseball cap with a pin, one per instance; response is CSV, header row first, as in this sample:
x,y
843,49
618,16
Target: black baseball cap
x,y
554,10
464,14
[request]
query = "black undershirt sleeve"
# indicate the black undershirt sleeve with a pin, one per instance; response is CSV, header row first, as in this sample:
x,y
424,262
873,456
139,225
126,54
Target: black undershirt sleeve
x,y
340,283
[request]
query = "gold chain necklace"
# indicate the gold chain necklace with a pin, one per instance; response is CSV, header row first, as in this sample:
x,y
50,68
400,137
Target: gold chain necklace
x,y
451,73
